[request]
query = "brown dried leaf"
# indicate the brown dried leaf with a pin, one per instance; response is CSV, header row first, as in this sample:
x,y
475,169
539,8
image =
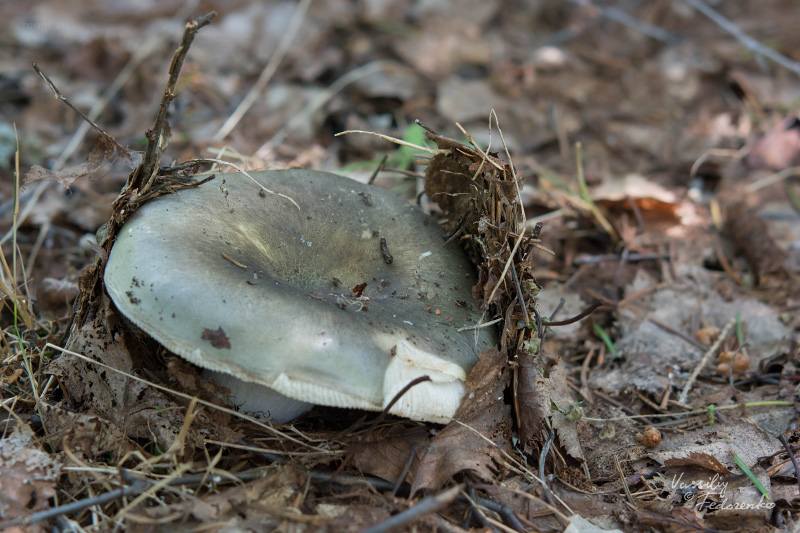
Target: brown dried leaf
x,y
479,433
83,434
104,149
28,476
386,454
542,381
711,444
234,506
703,460
137,409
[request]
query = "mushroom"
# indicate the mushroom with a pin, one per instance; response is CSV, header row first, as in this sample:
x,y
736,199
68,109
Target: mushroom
x,y
328,292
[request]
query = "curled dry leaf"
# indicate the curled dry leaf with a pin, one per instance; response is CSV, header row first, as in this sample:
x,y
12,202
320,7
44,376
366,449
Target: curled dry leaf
x,y
386,453
542,383
480,431
105,150
703,460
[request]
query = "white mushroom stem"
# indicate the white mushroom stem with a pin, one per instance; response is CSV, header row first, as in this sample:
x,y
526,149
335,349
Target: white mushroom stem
x,y
258,400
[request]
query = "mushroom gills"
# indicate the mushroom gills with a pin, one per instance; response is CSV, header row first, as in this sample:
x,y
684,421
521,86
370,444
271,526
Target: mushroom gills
x,y
259,400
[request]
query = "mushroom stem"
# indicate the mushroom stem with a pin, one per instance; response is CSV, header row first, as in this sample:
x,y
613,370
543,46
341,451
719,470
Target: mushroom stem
x,y
258,400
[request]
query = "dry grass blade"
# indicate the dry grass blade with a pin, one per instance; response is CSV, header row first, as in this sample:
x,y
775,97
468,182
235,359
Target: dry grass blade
x,y
243,171
266,74
394,140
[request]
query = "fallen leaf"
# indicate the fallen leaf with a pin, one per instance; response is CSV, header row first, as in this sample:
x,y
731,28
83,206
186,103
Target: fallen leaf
x,y
138,410
386,453
28,476
104,151
480,431
542,383
703,460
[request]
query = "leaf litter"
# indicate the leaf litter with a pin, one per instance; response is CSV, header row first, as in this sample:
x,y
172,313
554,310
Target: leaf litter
x,y
665,281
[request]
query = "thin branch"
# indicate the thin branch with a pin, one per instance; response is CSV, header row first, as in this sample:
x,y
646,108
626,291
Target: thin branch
x,y
622,17
120,150
542,458
143,176
428,505
750,43
586,312
793,459
73,507
401,478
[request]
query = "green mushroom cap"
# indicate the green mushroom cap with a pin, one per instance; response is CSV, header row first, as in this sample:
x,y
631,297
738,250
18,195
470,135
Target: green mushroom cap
x,y
329,292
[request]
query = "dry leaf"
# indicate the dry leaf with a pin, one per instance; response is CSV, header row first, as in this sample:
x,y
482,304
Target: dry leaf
x,y
28,476
386,454
703,460
479,433
542,383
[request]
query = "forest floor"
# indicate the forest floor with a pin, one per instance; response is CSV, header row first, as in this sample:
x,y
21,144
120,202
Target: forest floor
x,y
657,142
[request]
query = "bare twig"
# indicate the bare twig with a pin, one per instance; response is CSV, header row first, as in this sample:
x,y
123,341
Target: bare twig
x,y
378,169
428,505
542,458
80,113
521,296
144,175
751,44
583,314
623,480
401,478
620,16
793,459
505,512
73,507
670,329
